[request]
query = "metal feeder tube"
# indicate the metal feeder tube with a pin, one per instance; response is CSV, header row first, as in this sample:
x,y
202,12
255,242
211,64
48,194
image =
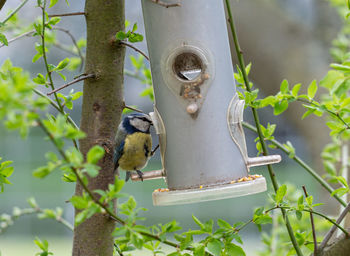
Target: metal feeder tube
x,y
197,112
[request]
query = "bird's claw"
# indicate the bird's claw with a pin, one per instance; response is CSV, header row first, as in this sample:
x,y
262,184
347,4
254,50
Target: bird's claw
x,y
140,174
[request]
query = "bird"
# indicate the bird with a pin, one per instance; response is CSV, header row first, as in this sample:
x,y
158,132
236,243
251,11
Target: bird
x,y
133,144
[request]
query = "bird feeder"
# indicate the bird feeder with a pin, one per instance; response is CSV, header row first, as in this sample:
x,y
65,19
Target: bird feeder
x,y
197,112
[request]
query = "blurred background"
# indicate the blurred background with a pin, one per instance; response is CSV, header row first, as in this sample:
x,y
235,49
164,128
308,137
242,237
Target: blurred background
x,y
284,39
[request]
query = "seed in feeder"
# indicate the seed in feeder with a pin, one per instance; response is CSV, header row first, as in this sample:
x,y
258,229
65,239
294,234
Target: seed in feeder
x,y
192,108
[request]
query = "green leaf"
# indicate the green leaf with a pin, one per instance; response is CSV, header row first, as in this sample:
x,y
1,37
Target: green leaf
x,y
3,39
224,224
199,250
309,200
235,250
198,222
95,154
42,172
39,79
280,107
281,192
262,219
215,247
120,35
284,88
298,214
296,90
312,89
53,3
79,202
340,67
135,37
134,28
62,64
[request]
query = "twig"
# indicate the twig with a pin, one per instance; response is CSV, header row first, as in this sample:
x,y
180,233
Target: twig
x,y
314,212
257,124
33,210
133,109
72,82
336,115
54,104
165,4
74,42
18,37
118,250
334,228
110,212
133,74
14,11
45,57
312,172
136,49
66,14
312,225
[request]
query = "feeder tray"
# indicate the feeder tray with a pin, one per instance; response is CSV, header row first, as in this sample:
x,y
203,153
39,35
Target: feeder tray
x,y
195,195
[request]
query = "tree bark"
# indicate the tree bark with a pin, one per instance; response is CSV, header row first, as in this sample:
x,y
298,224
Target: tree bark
x,y
101,111
2,3
339,246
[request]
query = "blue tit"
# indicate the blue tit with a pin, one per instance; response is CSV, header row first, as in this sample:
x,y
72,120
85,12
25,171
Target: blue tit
x,y
133,144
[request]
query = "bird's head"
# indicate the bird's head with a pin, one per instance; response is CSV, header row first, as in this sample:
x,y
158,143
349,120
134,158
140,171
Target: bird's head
x,y
137,123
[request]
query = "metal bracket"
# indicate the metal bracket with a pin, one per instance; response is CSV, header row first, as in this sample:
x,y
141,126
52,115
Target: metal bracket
x,y
234,120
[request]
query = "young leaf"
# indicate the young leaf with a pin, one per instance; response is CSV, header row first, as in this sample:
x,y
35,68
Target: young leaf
x,y
280,107
235,250
281,192
312,89
95,154
284,88
3,39
215,247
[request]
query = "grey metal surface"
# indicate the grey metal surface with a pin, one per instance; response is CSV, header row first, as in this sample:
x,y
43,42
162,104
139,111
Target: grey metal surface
x,y
199,150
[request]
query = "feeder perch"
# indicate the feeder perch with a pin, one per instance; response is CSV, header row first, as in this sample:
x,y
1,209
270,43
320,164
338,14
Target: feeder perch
x,y
197,113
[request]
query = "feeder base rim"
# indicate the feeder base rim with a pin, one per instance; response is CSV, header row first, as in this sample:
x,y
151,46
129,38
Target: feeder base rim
x,y
188,196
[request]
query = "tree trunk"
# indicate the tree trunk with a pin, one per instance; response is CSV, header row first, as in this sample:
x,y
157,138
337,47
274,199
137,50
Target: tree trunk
x,y
101,112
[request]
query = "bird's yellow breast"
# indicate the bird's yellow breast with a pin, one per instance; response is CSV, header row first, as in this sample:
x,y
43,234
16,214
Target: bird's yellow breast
x,y
137,150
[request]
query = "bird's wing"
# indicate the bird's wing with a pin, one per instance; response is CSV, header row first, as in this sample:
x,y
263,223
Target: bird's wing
x,y
119,147
148,146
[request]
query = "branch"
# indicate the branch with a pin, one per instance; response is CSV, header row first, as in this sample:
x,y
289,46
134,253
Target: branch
x,y
161,3
336,115
81,78
136,49
74,42
54,104
298,160
110,212
66,14
19,37
311,211
312,225
334,228
132,108
28,211
13,12
45,57
257,124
